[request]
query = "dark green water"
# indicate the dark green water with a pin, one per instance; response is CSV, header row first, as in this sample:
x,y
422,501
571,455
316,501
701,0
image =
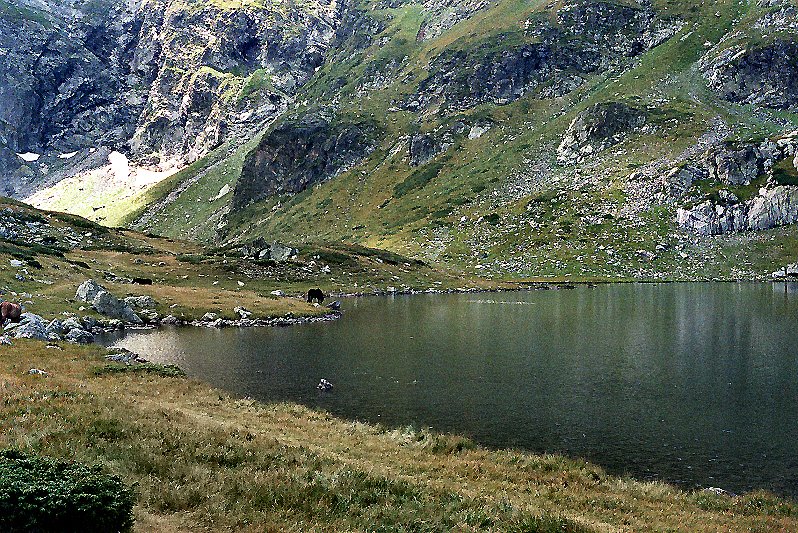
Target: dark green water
x,y
695,384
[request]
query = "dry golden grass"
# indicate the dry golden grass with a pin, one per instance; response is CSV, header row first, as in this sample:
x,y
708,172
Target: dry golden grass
x,y
203,461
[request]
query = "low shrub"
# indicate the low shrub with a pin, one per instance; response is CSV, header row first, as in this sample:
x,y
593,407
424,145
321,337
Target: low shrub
x,y
42,494
166,371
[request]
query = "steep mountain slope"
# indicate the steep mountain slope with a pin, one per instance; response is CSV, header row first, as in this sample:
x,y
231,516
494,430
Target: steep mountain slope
x,y
589,138
136,90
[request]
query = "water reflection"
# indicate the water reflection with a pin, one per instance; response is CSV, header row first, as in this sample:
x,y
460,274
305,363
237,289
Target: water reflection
x,y
693,383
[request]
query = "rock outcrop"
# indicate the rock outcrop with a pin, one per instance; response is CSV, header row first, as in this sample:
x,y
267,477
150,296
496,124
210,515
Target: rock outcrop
x,y
599,127
765,75
106,303
80,80
300,153
587,37
769,209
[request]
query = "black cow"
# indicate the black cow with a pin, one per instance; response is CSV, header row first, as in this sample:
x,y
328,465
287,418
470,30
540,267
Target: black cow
x,y
315,295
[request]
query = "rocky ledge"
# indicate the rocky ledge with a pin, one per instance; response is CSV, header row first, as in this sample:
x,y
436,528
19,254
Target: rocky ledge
x,y
775,203
769,209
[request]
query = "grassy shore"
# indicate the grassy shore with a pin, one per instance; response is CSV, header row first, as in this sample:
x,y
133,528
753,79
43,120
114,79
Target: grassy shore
x,y
201,460
46,256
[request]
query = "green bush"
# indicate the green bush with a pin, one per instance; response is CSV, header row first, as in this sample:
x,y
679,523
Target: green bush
x,y
418,179
165,371
42,494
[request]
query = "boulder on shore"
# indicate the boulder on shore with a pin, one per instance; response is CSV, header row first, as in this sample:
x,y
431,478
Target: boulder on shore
x,y
31,327
106,303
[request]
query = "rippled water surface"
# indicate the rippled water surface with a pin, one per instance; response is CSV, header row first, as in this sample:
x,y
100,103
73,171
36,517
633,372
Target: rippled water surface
x,y
691,383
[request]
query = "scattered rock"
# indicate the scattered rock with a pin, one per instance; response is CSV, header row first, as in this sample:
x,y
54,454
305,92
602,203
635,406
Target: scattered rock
x,y
79,336
5,341
789,271
717,491
243,313
277,293
31,327
324,385
37,372
124,356
141,302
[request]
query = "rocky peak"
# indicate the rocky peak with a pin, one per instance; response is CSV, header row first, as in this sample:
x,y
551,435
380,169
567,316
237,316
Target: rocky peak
x,y
161,81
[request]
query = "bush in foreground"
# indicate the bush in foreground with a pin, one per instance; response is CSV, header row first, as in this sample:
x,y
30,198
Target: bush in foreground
x,y
41,494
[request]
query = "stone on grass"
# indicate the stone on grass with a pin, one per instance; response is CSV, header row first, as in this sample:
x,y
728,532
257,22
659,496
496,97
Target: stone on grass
x,y
88,290
79,336
31,327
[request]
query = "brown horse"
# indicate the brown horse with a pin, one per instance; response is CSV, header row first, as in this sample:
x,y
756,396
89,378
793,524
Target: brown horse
x,y
10,311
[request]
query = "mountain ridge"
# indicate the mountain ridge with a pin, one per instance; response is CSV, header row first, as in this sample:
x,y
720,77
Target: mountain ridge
x,y
521,139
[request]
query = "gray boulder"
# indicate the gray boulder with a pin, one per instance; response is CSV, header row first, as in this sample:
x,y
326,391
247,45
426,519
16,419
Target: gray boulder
x,y
242,312
141,302
69,324
31,327
79,336
109,305
88,290
89,322
55,327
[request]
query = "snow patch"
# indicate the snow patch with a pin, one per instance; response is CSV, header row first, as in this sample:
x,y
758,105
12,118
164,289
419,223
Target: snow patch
x,y
70,155
29,157
120,167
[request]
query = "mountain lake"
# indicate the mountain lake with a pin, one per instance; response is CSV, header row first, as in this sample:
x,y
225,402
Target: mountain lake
x,y
692,383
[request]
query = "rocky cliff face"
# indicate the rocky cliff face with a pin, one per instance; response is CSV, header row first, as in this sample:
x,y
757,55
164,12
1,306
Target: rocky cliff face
x,y
597,128
298,154
547,58
161,81
764,75
775,202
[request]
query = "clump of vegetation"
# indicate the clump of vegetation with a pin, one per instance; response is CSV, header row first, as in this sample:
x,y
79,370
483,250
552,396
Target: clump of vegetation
x,y
41,494
167,371
785,173
418,179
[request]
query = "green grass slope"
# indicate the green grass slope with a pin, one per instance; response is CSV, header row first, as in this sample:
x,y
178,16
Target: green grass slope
x,y
500,204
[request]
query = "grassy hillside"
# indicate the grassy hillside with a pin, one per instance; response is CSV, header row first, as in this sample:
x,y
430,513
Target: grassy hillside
x,y
201,460
500,203
46,256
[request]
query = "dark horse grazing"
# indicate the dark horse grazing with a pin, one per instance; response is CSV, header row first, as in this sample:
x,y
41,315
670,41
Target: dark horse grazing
x,y
10,311
315,295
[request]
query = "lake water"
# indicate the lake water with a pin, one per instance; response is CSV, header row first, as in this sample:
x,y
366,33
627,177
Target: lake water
x,y
695,384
